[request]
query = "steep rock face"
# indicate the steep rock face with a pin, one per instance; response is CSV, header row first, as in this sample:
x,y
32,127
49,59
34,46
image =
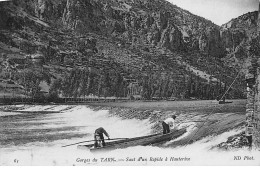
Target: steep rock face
x,y
46,10
239,38
83,16
171,38
4,19
171,28
239,30
133,37
144,22
214,42
258,20
231,39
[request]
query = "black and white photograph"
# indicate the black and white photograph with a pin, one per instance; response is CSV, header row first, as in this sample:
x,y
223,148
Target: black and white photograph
x,y
129,83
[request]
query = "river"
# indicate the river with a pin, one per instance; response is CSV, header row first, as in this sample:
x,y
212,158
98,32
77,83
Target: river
x,y
37,138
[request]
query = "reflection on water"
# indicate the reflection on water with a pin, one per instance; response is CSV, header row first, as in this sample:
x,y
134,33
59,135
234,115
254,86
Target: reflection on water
x,y
36,139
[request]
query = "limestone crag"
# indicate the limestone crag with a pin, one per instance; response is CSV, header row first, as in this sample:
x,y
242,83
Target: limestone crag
x,y
172,28
238,30
82,16
102,44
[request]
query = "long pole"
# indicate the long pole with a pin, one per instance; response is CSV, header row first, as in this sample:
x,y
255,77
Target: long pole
x,y
93,140
230,86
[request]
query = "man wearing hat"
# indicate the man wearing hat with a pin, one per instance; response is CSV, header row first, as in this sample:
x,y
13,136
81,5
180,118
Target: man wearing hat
x,y
167,123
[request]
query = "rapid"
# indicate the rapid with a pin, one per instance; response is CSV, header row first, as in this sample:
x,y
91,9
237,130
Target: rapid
x,y
37,139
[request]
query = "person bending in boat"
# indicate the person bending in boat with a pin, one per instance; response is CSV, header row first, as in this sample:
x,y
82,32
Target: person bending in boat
x,y
167,123
98,137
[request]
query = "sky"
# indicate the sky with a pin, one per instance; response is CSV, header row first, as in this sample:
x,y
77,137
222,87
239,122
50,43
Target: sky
x,y
218,11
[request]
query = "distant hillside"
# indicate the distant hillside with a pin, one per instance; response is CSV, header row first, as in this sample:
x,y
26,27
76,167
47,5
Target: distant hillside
x,y
122,48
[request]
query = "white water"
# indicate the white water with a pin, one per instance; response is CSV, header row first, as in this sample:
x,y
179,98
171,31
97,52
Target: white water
x,y
85,121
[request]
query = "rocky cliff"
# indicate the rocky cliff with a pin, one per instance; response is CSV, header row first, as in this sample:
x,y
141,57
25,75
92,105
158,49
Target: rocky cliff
x,y
102,47
144,22
131,21
240,39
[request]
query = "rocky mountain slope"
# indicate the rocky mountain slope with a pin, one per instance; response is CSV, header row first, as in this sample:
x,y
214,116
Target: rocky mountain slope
x,y
240,39
117,48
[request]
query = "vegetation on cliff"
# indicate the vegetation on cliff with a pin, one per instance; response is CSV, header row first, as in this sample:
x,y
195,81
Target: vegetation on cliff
x,y
106,48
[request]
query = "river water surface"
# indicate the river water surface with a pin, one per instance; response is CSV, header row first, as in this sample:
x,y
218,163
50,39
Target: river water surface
x,y
37,139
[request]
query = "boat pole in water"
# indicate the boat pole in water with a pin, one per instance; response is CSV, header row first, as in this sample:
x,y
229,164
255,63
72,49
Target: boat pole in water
x,y
93,140
222,98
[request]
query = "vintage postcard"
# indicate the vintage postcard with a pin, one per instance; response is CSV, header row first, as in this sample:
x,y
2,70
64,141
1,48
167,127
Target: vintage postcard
x,y
129,82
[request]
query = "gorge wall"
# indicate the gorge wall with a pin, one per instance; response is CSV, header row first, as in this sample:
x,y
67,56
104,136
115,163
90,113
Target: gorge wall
x,y
92,47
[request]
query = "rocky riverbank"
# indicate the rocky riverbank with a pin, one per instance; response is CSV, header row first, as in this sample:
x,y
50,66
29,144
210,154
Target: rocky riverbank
x,y
235,142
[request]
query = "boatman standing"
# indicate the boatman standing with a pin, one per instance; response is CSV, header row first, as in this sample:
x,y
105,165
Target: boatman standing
x,y
98,137
167,123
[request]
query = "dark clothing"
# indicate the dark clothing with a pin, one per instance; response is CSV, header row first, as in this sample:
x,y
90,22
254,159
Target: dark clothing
x,y
166,128
250,140
99,132
101,137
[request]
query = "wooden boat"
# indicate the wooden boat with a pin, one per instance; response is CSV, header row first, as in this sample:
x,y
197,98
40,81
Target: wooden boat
x,y
137,141
224,102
